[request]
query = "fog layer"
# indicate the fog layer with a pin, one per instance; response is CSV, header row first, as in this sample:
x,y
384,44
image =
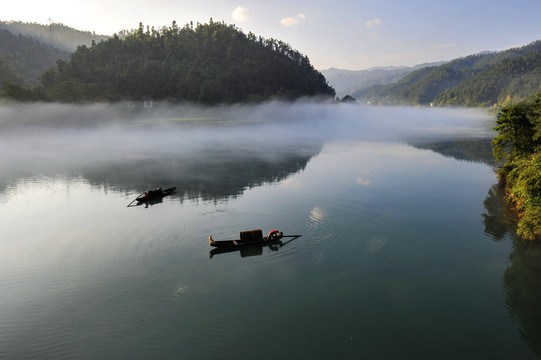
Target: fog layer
x,y
133,149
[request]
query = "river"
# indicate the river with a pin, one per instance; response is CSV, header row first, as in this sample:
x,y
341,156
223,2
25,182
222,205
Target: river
x,y
407,249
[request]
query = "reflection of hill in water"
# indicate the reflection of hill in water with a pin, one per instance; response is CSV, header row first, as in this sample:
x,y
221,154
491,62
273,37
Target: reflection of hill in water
x,y
523,293
523,274
205,152
500,219
474,150
213,173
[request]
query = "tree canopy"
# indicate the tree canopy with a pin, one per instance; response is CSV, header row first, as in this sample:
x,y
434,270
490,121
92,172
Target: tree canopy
x,y
211,63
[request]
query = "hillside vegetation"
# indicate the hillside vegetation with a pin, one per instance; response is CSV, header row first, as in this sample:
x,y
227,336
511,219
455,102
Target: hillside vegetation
x,y
211,63
23,60
8,74
56,35
519,144
486,79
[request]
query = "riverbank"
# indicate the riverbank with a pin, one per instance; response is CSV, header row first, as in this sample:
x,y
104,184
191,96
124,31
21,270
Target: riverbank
x,y
519,143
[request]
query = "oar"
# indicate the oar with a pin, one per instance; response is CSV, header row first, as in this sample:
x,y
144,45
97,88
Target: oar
x,y
291,236
134,200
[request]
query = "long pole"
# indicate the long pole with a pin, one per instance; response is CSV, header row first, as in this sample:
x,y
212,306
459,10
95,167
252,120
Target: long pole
x,y
135,199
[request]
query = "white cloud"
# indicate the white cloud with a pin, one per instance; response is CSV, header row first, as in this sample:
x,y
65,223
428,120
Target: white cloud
x,y
289,21
240,14
364,182
373,22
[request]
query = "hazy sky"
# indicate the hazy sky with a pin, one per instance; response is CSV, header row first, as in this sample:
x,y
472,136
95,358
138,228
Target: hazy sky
x,y
347,34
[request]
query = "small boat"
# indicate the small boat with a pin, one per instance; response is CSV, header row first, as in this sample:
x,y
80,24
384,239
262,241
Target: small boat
x,y
152,197
155,194
247,238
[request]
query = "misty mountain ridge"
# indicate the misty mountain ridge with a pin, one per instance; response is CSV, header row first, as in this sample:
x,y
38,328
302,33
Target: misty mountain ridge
x,y
27,50
23,59
489,78
56,35
350,81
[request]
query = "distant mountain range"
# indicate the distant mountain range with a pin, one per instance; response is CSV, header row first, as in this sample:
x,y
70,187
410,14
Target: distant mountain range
x,y
485,79
489,78
347,82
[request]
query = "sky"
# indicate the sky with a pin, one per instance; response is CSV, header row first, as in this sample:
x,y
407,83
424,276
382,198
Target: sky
x,y
344,34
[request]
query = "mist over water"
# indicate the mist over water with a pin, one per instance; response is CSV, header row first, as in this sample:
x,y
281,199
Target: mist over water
x,y
106,143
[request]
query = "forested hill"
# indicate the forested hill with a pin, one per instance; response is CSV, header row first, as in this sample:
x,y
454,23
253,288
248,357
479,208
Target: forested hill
x,y
23,60
213,63
486,79
56,35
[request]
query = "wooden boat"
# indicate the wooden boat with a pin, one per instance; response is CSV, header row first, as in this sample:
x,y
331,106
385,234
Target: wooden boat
x,y
248,238
155,194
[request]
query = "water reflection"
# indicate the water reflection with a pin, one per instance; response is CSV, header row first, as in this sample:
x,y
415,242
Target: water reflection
x,y
499,220
474,150
391,231
206,152
213,173
247,251
256,249
523,293
201,164
523,276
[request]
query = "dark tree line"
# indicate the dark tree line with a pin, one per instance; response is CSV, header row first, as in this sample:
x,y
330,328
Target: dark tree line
x,y
211,63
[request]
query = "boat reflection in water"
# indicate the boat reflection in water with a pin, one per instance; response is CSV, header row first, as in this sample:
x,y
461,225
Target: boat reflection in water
x,y
254,249
247,251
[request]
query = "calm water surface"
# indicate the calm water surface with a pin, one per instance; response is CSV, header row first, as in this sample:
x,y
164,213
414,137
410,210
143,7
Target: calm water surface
x,y
407,250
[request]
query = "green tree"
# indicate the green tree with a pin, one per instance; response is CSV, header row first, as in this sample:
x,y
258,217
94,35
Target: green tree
x,y
15,91
515,132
